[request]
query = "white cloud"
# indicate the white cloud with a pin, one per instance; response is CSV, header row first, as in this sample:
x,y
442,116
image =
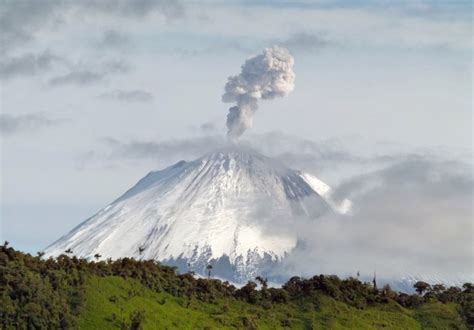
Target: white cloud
x,y
413,218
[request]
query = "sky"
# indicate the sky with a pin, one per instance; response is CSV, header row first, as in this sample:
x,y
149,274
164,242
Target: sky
x,y
95,94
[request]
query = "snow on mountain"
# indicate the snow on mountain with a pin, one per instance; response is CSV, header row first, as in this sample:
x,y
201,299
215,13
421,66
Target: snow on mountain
x,y
213,209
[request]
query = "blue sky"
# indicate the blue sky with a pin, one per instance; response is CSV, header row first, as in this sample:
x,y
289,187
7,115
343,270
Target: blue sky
x,y
374,80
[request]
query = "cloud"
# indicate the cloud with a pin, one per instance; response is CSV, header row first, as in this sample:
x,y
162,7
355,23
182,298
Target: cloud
x,y
77,78
113,152
304,41
293,151
213,47
412,218
84,77
27,64
128,96
329,159
175,149
137,8
395,27
303,153
111,67
208,126
30,64
114,40
13,124
414,168
20,21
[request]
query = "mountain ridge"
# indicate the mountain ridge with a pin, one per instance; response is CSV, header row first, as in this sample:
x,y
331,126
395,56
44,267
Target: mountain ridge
x,y
212,209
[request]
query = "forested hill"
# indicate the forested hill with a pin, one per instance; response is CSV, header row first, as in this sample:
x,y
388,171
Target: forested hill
x,y
72,293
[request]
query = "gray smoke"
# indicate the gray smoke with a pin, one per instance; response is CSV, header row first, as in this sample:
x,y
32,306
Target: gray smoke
x,y
264,76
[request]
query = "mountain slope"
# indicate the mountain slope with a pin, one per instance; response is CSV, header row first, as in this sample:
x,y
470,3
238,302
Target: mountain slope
x,y
217,208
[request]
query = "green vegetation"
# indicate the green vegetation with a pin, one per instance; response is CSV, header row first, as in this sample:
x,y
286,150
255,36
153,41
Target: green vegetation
x,y
71,293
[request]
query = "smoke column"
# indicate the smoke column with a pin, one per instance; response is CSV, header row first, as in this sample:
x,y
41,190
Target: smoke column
x,y
264,76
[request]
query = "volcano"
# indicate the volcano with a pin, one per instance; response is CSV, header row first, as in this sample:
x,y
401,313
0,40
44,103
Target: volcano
x,y
219,209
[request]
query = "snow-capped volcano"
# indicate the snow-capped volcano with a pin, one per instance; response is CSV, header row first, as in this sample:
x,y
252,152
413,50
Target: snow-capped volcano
x,y
214,209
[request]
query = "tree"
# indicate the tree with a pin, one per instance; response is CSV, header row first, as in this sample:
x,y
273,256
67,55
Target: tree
x,y
263,281
248,292
421,287
468,287
209,268
438,288
6,244
40,254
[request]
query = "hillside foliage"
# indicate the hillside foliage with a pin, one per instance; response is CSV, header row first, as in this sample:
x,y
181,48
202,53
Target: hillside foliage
x,y
70,292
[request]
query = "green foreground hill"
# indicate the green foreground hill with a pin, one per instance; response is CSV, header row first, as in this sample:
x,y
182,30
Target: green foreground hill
x,y
72,293
113,301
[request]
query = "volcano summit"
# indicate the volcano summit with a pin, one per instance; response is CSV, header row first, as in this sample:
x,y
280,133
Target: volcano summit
x,y
213,210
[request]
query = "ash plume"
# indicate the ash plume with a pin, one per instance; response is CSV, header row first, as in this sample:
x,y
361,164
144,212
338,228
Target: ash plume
x,y
264,76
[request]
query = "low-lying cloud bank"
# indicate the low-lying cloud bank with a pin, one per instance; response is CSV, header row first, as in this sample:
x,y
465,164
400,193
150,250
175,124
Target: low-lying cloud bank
x,y
412,218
